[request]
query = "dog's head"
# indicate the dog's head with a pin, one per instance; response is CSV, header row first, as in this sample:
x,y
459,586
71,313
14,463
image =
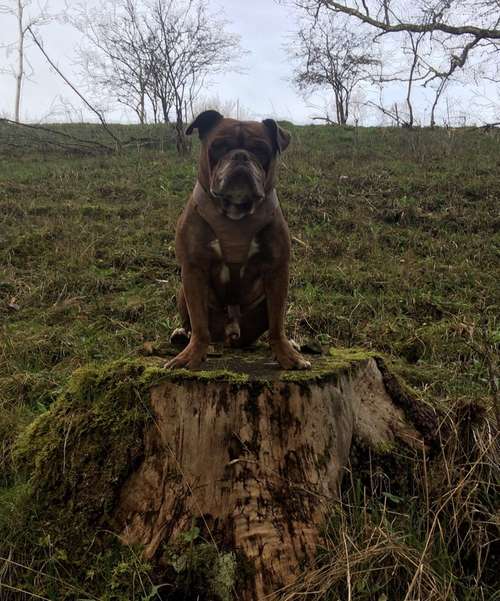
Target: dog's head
x,y
238,159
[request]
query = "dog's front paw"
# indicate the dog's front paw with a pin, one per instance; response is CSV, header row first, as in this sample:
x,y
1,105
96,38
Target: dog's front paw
x,y
191,357
288,357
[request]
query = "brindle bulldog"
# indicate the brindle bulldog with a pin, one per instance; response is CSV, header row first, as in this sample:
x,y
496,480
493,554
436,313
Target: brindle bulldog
x,y
233,244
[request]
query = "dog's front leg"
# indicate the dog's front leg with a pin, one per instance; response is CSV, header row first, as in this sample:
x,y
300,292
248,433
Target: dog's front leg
x,y
276,289
195,284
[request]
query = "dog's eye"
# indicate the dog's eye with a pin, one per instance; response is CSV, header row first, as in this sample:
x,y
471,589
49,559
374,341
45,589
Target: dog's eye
x,y
262,154
219,149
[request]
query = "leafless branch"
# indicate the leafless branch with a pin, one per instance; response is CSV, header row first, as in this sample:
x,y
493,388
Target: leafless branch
x,y
73,87
441,37
431,26
156,57
332,57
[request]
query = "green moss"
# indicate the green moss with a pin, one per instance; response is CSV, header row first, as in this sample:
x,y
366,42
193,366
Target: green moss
x,y
216,375
12,422
385,447
393,463
422,415
198,570
13,504
350,354
339,361
78,453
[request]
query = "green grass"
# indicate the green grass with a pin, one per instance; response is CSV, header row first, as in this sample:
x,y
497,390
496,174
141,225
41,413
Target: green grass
x,y
395,249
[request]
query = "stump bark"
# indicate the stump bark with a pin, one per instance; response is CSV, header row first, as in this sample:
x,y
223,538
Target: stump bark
x,y
253,456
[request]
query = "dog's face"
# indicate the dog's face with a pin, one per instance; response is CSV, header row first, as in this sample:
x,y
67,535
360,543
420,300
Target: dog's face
x,y
238,160
239,156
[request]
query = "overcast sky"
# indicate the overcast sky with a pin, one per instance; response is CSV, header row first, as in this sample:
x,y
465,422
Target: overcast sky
x,y
262,87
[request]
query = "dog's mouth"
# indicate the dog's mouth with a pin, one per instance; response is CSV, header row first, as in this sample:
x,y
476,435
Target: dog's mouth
x,y
238,195
236,209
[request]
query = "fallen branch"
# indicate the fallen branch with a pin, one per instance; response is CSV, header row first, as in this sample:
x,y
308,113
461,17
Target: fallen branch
x,y
86,102
325,119
488,126
42,128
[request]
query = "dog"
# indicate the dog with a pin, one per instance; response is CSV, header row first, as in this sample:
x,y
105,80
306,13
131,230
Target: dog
x,y
233,244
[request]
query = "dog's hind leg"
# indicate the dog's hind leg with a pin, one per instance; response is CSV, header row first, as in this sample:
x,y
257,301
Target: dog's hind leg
x,y
253,324
180,336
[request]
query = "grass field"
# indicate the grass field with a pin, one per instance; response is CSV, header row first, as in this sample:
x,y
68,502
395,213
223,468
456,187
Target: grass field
x,y
395,248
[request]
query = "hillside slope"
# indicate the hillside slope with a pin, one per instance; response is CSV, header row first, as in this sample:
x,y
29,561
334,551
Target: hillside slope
x,y
395,249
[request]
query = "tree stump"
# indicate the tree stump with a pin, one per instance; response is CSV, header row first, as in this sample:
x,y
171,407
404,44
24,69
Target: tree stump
x,y
249,455
253,455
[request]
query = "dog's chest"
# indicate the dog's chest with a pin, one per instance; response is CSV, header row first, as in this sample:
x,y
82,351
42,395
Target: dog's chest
x,y
236,252
234,249
231,263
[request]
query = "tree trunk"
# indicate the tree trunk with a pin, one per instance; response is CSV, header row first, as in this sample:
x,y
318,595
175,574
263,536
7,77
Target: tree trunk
x,y
180,136
439,91
414,45
20,61
142,107
254,455
164,108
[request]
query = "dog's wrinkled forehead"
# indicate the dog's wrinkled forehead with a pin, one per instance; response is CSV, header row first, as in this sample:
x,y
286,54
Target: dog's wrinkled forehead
x,y
229,137
240,134
211,126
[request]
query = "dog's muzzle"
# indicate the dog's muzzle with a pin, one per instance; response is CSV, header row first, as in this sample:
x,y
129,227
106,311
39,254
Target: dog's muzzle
x,y
238,186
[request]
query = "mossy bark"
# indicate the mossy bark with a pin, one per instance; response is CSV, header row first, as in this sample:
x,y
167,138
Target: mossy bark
x,y
247,455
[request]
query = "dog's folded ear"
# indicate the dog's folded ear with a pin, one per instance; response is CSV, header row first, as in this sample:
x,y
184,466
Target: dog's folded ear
x,y
281,138
204,122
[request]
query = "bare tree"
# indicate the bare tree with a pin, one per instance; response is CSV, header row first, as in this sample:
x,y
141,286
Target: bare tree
x,y
229,107
191,46
26,17
331,55
441,35
415,41
156,58
98,113
408,74
117,57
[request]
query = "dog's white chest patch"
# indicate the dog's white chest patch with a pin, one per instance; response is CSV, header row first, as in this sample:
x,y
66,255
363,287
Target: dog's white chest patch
x,y
224,274
216,247
254,248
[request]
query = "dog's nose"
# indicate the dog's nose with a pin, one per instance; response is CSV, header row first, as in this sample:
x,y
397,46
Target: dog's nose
x,y
240,155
